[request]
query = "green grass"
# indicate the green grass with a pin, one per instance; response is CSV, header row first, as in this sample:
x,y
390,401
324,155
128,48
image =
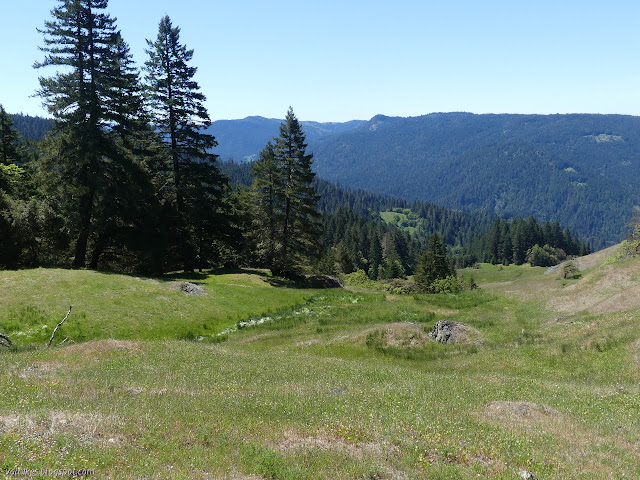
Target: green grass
x,y
488,273
313,392
406,220
128,307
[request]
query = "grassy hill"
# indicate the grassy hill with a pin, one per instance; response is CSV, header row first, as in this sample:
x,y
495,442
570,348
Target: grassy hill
x,y
337,384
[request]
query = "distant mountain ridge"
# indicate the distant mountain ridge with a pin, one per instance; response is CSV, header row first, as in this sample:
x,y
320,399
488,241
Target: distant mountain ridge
x,y
243,139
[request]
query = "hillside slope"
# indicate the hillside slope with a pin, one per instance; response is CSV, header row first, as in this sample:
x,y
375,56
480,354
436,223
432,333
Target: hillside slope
x,y
348,385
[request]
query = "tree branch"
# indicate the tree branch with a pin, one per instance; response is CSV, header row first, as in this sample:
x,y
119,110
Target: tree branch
x,y
58,326
5,341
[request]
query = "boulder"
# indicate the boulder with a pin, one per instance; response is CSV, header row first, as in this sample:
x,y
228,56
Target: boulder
x,y
188,288
449,332
323,281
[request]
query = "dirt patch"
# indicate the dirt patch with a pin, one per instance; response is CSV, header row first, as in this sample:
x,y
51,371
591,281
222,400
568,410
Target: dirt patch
x,y
254,338
40,370
293,442
100,347
88,428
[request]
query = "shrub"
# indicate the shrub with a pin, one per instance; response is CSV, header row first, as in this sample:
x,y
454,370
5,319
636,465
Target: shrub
x,y
545,256
358,279
570,270
398,286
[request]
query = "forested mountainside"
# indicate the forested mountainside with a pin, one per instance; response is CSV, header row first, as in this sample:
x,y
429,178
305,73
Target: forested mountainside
x,y
456,227
31,128
580,170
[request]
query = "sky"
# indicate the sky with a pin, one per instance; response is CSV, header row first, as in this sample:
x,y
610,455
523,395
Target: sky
x,y
339,60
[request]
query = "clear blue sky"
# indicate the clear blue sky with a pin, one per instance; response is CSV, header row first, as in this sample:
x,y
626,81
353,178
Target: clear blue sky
x,y
336,60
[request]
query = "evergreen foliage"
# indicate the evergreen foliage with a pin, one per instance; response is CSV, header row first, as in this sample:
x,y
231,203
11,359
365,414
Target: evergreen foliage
x,y
32,129
125,179
10,143
93,98
512,242
433,266
287,222
574,169
196,184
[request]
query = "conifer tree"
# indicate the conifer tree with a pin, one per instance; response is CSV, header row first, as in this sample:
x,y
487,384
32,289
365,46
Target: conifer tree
x,y
301,226
179,114
287,200
433,264
93,100
268,195
9,140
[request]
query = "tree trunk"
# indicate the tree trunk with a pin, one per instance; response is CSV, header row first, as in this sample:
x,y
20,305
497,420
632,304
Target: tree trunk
x,y
86,210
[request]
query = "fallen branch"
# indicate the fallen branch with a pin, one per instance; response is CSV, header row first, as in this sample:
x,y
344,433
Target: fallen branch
x,y
58,326
5,341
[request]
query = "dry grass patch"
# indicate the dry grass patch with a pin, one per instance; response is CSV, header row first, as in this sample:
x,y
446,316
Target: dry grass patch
x,y
400,334
358,447
589,448
88,428
39,370
611,289
521,412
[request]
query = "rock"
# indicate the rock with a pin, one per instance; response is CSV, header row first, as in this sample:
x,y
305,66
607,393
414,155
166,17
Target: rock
x,y
188,288
449,332
323,281
527,475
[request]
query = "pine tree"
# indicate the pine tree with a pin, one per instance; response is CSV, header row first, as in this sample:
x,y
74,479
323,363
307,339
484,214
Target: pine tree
x,y
288,222
433,265
268,194
181,118
301,226
90,99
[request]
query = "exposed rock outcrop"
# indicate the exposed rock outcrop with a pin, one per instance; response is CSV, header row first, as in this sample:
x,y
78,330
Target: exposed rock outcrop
x,y
188,288
449,332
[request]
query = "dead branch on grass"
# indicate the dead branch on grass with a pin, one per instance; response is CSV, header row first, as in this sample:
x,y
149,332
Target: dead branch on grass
x,y
5,341
58,326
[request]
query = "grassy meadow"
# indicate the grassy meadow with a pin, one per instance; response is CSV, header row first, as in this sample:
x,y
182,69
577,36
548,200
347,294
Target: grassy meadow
x,y
318,384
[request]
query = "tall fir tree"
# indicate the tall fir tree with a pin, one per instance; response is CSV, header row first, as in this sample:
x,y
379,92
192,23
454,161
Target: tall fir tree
x,y
301,226
287,200
91,98
433,264
267,197
178,110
